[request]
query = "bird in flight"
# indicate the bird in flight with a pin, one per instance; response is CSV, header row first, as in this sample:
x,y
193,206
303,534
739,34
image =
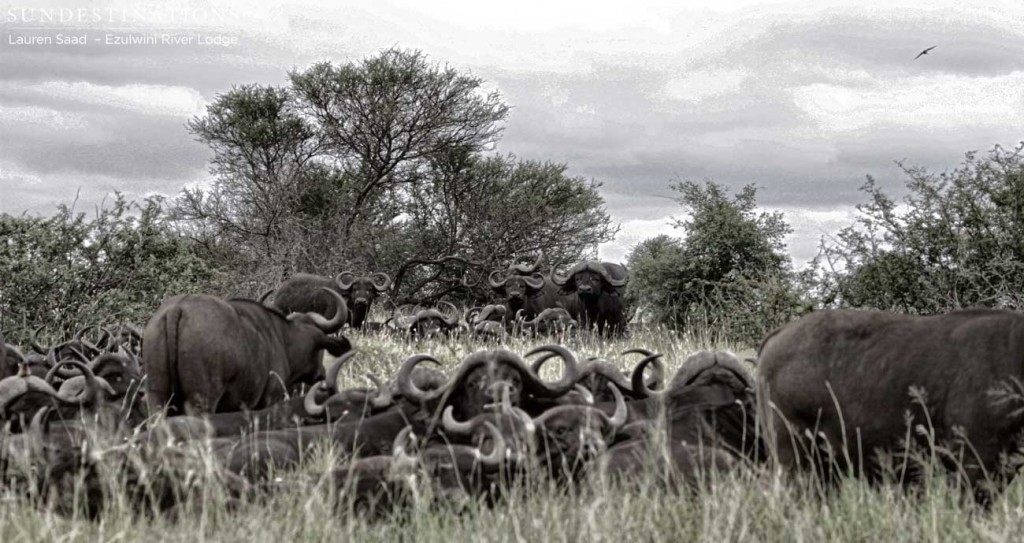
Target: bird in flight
x,y
925,52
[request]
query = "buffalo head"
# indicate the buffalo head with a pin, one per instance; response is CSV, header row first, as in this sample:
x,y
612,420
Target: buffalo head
x,y
572,435
362,290
592,277
478,382
517,288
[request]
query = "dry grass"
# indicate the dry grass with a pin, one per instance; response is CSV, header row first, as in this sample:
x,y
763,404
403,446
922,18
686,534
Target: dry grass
x,y
751,504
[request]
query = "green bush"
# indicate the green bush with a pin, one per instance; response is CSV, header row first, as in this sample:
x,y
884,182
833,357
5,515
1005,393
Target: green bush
x,y
69,270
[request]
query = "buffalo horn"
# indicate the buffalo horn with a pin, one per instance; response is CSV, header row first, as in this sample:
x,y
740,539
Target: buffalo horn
x,y
494,282
345,280
453,427
383,284
322,322
640,388
497,450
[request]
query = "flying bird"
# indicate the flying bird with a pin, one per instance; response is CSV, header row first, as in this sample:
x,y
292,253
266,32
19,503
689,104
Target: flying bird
x,y
925,52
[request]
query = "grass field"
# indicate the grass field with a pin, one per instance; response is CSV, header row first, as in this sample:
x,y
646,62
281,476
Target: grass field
x,y
751,504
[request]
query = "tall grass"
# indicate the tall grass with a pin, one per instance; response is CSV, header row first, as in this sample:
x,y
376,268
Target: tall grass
x,y
750,504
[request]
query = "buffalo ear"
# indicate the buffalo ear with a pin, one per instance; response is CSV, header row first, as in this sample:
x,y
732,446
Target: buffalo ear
x,y
337,346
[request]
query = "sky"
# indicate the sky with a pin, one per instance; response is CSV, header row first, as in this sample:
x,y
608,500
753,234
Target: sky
x,y
803,99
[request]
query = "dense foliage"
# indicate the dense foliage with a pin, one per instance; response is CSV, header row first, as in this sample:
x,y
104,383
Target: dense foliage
x,y
728,272
956,240
71,270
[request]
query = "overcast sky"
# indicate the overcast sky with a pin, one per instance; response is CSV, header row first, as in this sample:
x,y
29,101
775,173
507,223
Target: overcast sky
x,y
804,99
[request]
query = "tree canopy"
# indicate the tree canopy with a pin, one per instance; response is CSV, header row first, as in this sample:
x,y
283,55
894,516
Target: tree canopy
x,y
383,164
956,240
729,272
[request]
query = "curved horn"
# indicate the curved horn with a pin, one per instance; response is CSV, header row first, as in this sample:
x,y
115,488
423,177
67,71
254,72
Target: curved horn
x,y
640,388
495,284
58,369
34,341
568,379
322,322
263,297
398,448
340,279
561,280
40,424
92,387
497,450
384,396
81,331
409,389
526,269
453,427
383,284
588,397
452,316
471,314
602,270
657,375
605,369
16,352
618,418
331,379
535,281
310,404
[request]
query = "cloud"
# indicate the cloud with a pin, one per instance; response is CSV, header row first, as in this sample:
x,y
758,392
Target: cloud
x,y
145,99
802,99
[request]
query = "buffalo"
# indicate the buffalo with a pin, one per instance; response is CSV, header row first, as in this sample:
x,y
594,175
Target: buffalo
x,y
481,377
600,288
857,383
204,354
527,293
572,436
360,292
427,323
553,320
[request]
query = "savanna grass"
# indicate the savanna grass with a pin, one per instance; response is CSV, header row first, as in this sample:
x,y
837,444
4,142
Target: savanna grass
x,y
749,504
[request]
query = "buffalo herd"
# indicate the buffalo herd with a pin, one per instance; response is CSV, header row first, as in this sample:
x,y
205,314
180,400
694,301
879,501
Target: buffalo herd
x,y
835,393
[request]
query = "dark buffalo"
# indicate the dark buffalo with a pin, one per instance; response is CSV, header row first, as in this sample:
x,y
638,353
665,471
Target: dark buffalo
x,y
360,292
320,404
23,395
854,380
572,436
427,323
254,455
374,485
205,355
675,463
710,400
526,291
308,293
481,377
600,288
488,313
551,321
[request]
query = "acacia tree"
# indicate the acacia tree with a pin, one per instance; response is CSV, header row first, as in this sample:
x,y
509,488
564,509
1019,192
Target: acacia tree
x,y
378,165
387,117
957,241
